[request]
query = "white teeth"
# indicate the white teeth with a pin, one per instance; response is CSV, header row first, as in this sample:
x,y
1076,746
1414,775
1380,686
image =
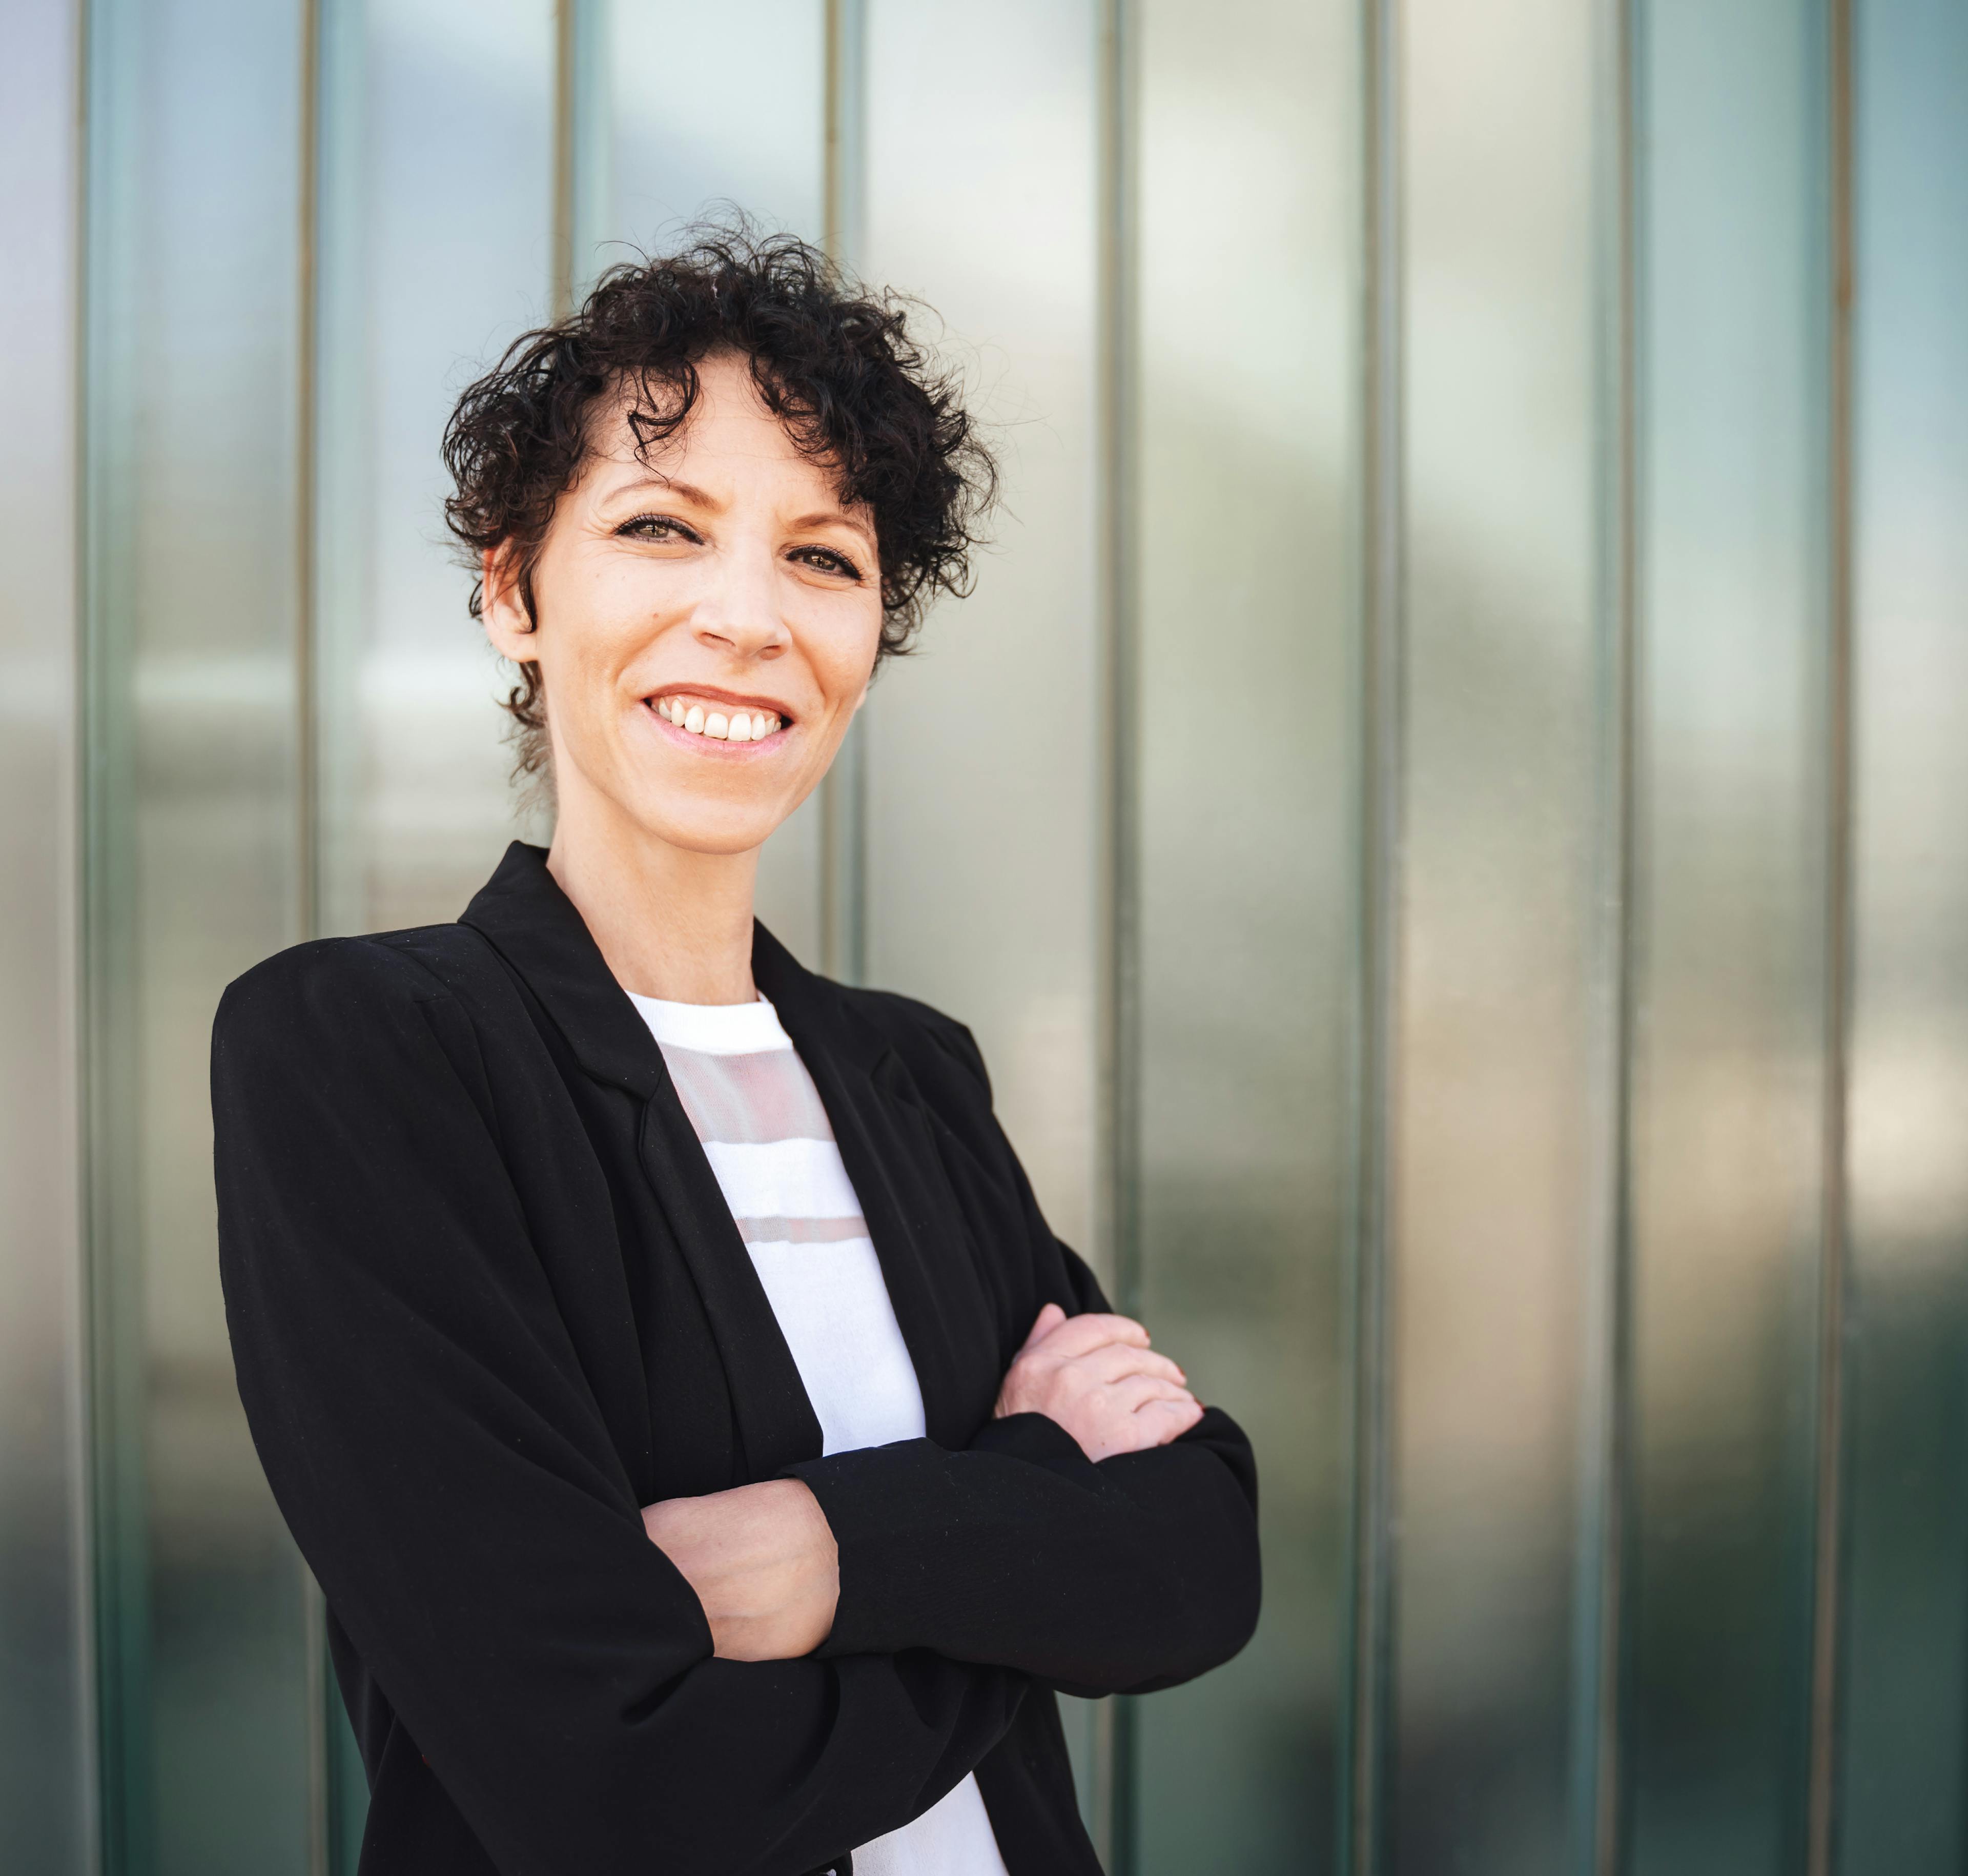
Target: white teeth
x,y
739,727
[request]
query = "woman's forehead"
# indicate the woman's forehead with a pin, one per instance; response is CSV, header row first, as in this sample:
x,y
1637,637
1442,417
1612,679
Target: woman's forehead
x,y
729,431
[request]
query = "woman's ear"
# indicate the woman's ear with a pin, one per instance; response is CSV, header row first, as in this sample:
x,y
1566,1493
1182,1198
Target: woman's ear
x,y
507,623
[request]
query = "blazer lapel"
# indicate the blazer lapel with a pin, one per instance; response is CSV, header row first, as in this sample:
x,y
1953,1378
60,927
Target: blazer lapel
x,y
536,928
887,1146
777,1426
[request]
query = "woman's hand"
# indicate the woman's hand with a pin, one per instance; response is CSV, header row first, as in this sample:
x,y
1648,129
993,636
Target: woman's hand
x,y
1098,1378
763,1561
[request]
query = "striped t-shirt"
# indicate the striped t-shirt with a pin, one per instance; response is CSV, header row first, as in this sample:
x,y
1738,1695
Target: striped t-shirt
x,y
756,1111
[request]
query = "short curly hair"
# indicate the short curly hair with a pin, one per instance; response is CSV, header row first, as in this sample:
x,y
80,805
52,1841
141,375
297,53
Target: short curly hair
x,y
837,364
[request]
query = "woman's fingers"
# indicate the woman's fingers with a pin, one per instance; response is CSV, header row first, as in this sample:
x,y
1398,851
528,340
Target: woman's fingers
x,y
1165,1420
1131,1395
1117,1360
1080,1335
1048,1319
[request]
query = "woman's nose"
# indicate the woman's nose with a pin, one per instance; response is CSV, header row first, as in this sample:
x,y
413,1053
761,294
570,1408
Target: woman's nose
x,y
739,616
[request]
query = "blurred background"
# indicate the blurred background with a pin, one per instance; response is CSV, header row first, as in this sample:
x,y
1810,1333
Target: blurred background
x,y
1448,811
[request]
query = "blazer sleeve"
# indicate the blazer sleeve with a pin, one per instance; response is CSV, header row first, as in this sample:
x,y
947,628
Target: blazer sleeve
x,y
417,1403
1133,1574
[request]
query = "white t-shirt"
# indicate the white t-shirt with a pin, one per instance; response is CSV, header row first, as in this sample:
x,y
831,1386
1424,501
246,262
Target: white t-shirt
x,y
756,1111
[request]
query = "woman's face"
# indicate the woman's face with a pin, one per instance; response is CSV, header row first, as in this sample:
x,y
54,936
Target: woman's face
x,y
707,620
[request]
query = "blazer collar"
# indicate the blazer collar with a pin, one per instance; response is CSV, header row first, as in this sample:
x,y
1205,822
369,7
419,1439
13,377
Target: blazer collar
x,y
534,926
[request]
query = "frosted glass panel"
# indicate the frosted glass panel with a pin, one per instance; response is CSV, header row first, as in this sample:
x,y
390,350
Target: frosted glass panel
x,y
985,749
1244,415
421,286
1906,1648
1729,935
1500,1095
713,105
45,1718
195,846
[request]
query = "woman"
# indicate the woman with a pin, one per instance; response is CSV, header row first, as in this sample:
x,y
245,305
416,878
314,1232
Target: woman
x,y
710,1459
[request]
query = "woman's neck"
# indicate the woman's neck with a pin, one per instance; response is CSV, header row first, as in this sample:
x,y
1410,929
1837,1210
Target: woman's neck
x,y
670,923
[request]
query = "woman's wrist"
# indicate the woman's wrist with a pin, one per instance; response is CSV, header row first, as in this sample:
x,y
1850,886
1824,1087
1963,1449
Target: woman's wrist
x,y
763,1562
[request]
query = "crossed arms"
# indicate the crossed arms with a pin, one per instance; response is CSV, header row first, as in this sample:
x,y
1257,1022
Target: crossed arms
x,y
762,1558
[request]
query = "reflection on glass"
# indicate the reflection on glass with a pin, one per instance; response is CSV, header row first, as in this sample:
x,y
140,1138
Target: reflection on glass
x,y
1904,1805
1730,939
984,748
709,106
1499,1086
420,284
1243,413
194,826
45,1797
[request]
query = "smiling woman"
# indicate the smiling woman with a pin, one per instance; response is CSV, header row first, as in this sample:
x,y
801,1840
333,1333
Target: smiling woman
x,y
711,1459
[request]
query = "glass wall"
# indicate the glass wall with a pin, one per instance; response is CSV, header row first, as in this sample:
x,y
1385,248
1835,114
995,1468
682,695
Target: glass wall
x,y
1243,572
197,860
48,1807
1497,1094
417,285
1905,1635
1730,931
1441,811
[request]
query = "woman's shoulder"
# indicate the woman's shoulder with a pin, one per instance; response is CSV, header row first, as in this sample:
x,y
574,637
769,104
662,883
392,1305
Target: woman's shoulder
x,y
921,1035
333,987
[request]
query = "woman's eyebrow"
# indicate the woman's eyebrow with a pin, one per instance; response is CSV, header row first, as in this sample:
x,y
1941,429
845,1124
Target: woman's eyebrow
x,y
684,491
836,518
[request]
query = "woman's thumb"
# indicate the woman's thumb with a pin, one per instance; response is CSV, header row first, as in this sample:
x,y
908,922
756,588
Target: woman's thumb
x,y
1049,1319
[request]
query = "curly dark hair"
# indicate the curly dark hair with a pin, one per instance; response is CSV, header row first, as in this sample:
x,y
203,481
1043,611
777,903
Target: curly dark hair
x,y
837,364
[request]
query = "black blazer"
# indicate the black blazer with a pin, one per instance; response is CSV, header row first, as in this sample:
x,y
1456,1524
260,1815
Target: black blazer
x,y
487,1301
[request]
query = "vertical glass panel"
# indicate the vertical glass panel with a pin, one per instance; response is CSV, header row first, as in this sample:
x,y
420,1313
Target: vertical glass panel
x,y
712,106
420,284
194,828
1498,1088
45,1797
1729,988
1906,1650
1245,411
984,750
697,110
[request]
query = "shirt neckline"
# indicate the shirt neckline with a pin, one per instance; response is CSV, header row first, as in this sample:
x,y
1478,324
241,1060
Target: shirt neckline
x,y
750,1028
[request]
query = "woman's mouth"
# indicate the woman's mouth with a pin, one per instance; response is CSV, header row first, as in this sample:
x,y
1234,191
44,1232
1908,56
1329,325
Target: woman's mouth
x,y
722,721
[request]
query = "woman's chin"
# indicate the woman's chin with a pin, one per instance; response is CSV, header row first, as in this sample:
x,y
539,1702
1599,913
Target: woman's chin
x,y
742,829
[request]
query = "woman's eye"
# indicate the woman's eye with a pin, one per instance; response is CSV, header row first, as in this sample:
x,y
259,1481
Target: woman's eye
x,y
828,560
656,527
